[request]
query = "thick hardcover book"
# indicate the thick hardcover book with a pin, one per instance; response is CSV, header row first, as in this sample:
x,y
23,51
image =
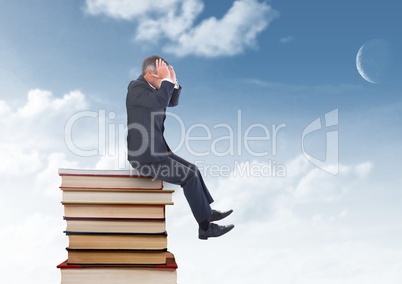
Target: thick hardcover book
x,y
107,179
117,196
106,274
115,225
79,240
114,256
113,211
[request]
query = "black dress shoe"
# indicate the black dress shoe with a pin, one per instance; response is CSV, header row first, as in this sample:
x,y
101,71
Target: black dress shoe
x,y
214,230
218,215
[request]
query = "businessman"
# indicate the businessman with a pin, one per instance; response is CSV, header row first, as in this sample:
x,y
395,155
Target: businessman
x,y
147,99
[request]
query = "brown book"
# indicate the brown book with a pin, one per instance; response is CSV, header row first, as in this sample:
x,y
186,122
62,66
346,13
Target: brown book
x,y
107,179
135,274
116,196
102,256
79,240
115,225
114,210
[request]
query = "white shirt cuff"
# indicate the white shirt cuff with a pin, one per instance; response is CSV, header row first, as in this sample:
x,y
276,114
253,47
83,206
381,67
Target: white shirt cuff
x,y
176,84
167,79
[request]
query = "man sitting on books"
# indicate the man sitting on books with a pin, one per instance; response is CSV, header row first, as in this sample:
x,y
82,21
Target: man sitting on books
x,y
147,99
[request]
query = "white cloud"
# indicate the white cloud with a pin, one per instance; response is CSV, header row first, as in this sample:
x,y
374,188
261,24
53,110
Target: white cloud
x,y
296,224
280,88
127,9
4,109
32,149
274,234
363,169
230,35
41,101
32,249
48,180
116,161
264,196
286,39
18,160
318,185
174,21
35,129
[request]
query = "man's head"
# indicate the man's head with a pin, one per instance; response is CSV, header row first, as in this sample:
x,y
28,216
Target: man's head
x,y
149,64
149,70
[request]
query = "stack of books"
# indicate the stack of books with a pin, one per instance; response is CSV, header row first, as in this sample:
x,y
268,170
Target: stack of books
x,y
115,224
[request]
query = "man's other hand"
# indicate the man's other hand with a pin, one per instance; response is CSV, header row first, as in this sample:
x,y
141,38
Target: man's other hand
x,y
162,70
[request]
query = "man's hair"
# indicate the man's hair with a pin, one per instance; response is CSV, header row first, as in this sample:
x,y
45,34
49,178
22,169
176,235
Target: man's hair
x,y
149,64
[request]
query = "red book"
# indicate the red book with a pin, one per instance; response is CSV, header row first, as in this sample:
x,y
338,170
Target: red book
x,y
170,264
135,274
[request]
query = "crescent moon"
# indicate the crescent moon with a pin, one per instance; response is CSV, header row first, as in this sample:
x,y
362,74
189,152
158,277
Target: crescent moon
x,y
374,61
360,67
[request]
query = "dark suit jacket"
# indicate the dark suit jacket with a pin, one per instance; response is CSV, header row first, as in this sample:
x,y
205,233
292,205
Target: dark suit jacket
x,y
146,113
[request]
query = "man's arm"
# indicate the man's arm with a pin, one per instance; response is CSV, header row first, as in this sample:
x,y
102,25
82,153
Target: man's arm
x,y
140,94
174,101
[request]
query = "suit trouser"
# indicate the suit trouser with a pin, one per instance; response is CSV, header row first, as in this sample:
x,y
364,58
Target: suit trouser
x,y
178,171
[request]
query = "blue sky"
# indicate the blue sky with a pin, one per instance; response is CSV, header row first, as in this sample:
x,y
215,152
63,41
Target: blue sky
x,y
262,63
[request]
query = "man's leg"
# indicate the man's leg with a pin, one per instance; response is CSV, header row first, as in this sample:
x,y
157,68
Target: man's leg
x,y
198,173
216,215
178,171
173,171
